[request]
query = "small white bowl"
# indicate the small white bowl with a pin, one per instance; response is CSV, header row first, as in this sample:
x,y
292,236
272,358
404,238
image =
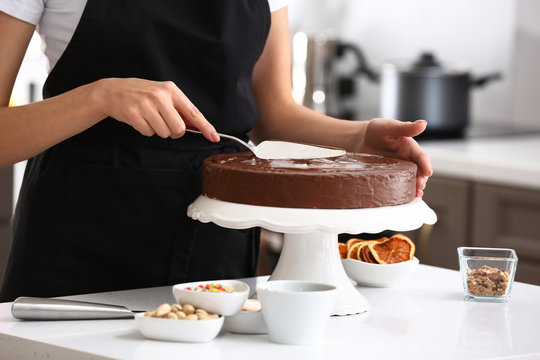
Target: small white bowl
x,y
178,330
246,322
296,312
220,303
379,275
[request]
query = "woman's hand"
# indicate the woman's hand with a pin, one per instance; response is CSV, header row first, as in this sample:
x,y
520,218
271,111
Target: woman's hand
x,y
394,138
152,107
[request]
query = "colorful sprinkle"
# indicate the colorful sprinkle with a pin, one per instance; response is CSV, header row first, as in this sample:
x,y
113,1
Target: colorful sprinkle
x,y
211,288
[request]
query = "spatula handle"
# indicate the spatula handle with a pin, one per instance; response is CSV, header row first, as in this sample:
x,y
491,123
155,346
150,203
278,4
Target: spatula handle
x,y
31,308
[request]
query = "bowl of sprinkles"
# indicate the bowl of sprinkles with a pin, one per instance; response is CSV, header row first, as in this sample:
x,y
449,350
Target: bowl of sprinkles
x,y
223,297
212,287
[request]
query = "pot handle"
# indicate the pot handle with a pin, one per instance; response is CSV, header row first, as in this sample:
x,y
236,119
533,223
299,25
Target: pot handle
x,y
483,80
363,66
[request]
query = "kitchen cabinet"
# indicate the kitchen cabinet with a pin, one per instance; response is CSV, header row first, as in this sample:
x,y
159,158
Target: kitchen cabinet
x,y
509,217
472,213
6,203
436,244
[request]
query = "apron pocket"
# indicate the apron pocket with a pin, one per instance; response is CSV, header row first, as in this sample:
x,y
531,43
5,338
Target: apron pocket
x,y
120,226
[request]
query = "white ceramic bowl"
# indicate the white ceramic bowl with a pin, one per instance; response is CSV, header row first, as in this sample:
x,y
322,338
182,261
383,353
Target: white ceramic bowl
x,y
296,312
178,330
379,275
219,302
246,322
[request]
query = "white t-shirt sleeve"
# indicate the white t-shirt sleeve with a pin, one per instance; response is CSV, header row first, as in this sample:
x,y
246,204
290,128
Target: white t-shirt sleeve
x,y
25,10
277,4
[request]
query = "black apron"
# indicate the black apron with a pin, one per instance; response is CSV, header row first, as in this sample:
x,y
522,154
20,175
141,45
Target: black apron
x,y
106,209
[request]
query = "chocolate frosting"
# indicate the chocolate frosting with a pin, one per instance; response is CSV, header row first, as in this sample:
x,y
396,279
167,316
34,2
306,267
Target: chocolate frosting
x,y
346,182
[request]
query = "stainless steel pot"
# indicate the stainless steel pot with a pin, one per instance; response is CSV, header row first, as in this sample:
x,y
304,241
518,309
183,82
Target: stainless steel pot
x,y
428,90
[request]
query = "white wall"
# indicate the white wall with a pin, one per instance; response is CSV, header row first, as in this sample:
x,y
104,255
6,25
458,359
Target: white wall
x,y
479,33
526,98
487,35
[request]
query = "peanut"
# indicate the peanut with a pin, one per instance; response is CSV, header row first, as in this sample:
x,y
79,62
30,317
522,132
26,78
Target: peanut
x,y
188,309
172,315
176,307
163,309
181,315
180,312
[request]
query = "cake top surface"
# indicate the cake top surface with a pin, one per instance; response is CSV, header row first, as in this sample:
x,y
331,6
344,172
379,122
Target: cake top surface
x,y
350,162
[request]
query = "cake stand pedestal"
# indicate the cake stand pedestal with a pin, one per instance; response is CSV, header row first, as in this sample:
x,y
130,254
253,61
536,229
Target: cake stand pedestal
x,y
310,248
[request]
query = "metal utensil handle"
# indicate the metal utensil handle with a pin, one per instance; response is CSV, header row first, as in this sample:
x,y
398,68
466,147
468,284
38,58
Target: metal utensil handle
x,y
30,308
250,147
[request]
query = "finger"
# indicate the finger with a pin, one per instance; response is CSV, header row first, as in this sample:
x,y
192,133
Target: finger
x,y
422,160
157,123
417,155
174,121
424,164
406,128
193,117
142,126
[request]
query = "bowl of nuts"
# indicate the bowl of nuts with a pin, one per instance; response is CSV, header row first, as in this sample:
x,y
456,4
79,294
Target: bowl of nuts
x,y
222,297
249,320
487,273
177,322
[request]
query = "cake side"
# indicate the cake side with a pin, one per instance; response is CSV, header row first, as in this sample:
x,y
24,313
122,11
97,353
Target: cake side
x,y
346,182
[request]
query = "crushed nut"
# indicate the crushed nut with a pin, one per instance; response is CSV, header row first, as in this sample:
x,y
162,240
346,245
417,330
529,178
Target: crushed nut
x,y
487,281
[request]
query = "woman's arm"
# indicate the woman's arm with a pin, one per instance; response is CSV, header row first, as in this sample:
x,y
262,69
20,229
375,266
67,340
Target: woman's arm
x,y
280,117
148,106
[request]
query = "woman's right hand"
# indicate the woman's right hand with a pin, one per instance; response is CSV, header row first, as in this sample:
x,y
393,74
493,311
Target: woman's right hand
x,y
152,107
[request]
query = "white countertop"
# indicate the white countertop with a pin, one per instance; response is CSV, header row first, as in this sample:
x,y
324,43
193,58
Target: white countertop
x,y
504,160
426,318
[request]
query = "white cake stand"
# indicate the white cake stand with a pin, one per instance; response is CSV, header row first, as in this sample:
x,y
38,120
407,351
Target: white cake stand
x,y
310,248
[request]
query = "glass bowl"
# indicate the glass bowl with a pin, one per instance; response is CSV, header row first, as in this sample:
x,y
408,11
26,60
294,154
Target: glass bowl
x,y
487,273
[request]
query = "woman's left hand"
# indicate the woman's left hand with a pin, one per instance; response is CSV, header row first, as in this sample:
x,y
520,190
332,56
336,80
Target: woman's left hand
x,y
393,138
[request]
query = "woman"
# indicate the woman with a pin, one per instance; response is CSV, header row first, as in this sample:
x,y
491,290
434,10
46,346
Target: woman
x,y
111,170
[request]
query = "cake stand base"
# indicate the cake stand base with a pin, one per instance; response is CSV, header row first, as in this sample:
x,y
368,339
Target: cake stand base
x,y
315,257
310,250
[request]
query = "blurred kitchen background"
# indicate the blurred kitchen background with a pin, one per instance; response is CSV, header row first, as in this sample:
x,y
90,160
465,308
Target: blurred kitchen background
x,y
486,187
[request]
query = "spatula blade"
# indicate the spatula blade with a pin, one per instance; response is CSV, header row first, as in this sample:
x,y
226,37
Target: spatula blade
x,y
273,149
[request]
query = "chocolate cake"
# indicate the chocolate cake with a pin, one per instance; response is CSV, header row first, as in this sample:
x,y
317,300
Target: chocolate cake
x,y
346,182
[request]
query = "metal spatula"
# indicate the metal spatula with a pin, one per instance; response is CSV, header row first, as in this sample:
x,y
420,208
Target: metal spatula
x,y
273,149
31,308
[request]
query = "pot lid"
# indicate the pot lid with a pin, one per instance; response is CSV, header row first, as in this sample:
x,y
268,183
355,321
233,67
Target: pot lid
x,y
427,64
